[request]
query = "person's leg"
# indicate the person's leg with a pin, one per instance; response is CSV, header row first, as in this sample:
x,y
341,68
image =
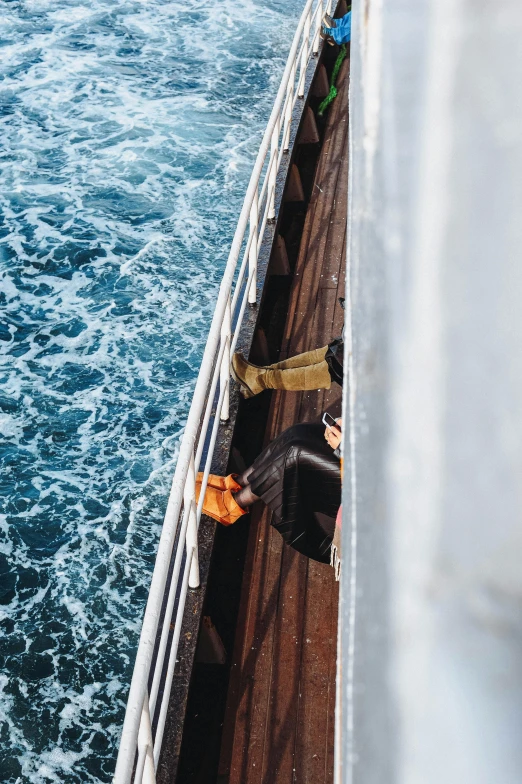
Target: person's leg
x,y
298,360
300,378
343,29
296,476
222,504
301,360
338,30
227,497
242,479
254,380
245,497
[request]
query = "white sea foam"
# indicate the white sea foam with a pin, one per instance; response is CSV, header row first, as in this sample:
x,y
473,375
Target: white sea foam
x,y
128,133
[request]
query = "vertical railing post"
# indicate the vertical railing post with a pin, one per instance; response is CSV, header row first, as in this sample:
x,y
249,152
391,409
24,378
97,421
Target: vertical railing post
x,y
289,110
191,539
252,254
317,38
274,146
304,54
145,772
224,378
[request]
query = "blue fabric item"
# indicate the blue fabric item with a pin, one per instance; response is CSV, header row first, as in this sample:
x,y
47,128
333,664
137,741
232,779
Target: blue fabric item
x,y
342,31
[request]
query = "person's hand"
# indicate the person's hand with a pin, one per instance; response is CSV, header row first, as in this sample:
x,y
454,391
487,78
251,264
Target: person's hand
x,y
333,434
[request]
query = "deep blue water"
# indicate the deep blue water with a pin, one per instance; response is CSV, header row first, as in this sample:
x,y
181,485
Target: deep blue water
x,y
128,130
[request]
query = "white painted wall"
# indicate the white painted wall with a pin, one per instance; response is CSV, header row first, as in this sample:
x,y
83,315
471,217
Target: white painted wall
x,y
431,591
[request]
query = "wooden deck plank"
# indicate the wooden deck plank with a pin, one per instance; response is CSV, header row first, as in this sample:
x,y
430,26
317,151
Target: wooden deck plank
x,y
279,719
278,759
316,232
289,633
338,217
313,730
311,756
332,671
315,222
247,708
297,590
315,249
333,397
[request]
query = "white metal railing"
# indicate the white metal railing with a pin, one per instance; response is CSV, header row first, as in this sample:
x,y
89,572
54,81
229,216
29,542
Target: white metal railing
x,y
154,667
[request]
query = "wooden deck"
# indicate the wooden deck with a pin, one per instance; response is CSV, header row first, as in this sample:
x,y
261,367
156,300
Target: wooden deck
x,y
279,721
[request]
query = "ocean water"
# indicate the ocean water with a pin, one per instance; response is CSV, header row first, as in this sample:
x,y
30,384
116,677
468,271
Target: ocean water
x,y
128,130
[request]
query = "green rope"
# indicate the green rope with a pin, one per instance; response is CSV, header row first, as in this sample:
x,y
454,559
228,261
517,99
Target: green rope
x,y
333,90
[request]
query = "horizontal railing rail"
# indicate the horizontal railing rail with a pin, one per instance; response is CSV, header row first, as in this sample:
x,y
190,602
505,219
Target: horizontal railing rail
x,y
177,568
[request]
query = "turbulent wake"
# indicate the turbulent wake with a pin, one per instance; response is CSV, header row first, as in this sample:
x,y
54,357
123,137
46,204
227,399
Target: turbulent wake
x,y
128,132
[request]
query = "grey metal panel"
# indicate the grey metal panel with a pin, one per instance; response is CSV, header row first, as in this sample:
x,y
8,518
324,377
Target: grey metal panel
x,y
433,455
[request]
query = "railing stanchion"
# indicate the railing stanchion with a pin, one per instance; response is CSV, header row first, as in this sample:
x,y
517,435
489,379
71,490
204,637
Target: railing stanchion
x,y
304,55
191,540
145,772
274,146
224,379
317,38
252,254
289,110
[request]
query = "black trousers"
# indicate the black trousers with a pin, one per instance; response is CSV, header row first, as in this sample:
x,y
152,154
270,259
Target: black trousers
x,y
299,479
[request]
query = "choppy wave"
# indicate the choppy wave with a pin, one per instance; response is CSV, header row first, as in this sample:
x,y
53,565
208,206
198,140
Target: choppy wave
x,y
128,131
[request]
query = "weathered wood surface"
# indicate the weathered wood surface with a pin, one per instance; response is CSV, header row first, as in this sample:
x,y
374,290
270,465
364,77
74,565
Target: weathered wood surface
x,y
279,720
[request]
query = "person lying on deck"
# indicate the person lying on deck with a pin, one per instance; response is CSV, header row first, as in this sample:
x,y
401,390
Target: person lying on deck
x,y
337,31
298,476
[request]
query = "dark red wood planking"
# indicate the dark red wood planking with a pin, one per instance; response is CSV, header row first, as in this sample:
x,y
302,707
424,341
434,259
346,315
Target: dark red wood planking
x,y
279,721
